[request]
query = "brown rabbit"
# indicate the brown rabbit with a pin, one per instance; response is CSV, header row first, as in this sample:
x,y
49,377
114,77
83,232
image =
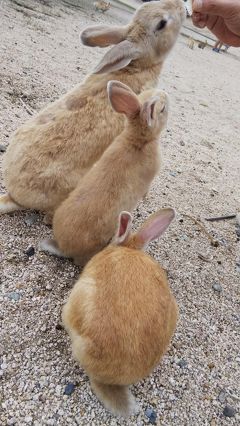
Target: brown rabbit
x,y
50,153
121,313
85,222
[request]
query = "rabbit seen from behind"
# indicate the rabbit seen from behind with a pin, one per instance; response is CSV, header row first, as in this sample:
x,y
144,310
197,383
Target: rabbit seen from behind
x,y
121,313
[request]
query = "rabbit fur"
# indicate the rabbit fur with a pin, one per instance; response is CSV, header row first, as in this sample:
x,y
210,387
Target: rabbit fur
x,y
121,313
86,221
48,155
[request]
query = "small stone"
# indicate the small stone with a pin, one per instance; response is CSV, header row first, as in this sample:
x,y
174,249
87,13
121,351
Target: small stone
x,y
69,389
182,363
2,148
229,411
238,266
30,251
12,421
14,296
211,365
3,366
30,219
182,143
222,396
28,419
152,416
172,173
217,287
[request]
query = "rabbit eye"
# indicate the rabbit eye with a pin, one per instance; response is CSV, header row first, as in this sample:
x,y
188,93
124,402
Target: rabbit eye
x,y
161,24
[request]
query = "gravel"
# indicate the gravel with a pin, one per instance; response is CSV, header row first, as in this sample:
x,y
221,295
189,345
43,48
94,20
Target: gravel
x,y
41,58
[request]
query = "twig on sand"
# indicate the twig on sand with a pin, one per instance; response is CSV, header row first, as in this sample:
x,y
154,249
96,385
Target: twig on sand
x,y
30,111
214,242
215,219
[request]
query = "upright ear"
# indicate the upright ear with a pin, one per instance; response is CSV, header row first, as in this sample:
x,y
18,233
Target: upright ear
x,y
118,57
155,226
103,36
123,99
148,109
124,228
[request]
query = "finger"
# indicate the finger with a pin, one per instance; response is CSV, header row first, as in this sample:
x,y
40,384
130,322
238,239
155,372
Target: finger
x,y
199,19
214,7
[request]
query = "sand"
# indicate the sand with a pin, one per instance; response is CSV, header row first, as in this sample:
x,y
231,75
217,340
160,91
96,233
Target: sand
x,y
41,58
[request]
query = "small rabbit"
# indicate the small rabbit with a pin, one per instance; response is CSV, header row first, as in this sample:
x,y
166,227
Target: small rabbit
x,y
49,154
85,222
121,313
102,6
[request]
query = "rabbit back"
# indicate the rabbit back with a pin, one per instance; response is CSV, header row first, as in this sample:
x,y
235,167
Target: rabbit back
x,y
132,317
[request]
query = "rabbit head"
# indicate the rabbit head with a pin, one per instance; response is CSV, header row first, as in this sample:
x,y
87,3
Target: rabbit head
x,y
151,229
146,118
144,42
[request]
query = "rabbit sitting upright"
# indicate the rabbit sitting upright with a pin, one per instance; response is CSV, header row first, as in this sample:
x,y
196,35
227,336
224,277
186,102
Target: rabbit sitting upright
x,y
49,154
121,313
85,222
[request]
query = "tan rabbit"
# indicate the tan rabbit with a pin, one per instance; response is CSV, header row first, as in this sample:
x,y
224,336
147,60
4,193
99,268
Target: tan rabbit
x,y
50,153
121,313
85,222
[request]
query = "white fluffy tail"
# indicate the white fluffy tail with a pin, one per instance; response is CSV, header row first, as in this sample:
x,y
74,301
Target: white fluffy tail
x,y
7,205
117,399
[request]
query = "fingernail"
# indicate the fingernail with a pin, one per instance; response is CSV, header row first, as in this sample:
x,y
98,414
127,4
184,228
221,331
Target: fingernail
x,y
197,5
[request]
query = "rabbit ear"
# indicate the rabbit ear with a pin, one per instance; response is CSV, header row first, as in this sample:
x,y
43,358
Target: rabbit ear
x,y
123,99
155,226
148,110
117,57
124,228
102,35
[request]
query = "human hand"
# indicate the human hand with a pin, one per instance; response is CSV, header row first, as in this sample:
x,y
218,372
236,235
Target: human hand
x,y
221,17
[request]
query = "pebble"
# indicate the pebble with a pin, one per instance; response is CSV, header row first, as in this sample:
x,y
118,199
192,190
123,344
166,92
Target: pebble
x,y
69,389
222,396
152,416
30,219
3,366
182,363
30,251
174,174
229,411
2,148
217,287
14,296
182,143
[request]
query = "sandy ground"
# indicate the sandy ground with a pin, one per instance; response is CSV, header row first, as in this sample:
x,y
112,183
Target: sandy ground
x,y
41,58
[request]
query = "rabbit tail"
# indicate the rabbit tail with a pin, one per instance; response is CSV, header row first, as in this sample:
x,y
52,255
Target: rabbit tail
x,y
117,399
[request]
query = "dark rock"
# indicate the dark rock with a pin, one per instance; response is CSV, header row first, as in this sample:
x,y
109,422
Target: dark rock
x,y
69,389
30,219
182,363
30,251
2,148
217,287
229,411
152,415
